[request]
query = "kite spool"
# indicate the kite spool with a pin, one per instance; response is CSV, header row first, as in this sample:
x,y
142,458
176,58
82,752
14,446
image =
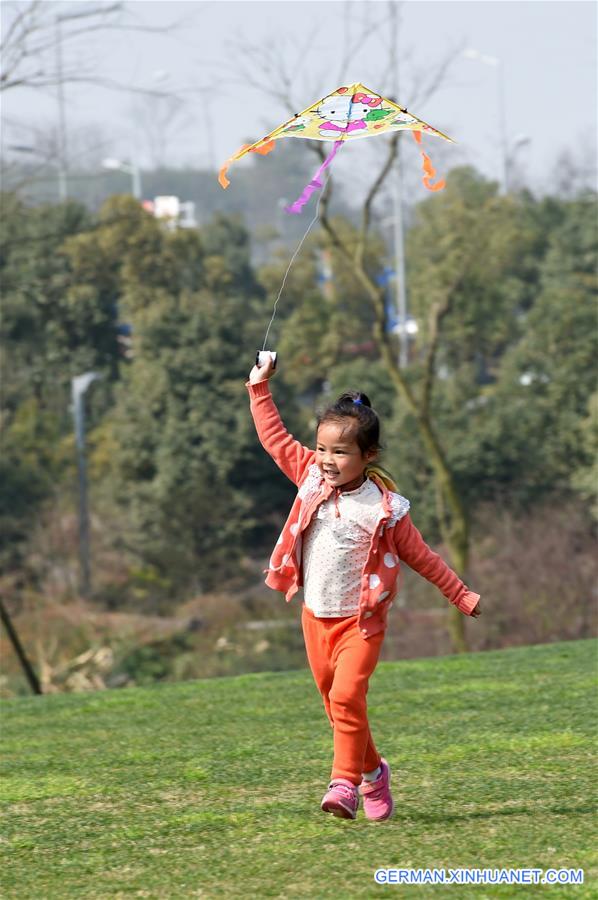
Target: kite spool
x,y
262,357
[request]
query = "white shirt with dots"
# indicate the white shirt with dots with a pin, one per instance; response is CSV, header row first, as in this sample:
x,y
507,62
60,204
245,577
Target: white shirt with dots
x,y
335,549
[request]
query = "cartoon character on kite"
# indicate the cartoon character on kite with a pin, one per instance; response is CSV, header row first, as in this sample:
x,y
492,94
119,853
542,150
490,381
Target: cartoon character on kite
x,y
348,113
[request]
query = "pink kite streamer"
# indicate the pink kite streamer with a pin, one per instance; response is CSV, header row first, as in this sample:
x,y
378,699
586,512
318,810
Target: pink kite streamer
x,y
296,207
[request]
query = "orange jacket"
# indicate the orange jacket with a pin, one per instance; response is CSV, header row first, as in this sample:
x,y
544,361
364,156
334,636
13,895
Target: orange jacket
x,y
395,538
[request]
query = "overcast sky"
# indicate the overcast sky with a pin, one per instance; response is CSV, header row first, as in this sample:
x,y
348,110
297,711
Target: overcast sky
x,y
547,71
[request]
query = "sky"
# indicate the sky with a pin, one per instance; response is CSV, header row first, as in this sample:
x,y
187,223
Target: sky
x,y
531,85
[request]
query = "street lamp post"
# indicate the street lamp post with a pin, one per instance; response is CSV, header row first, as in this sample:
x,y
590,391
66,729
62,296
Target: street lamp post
x,y
508,154
402,324
79,385
496,64
62,146
62,130
397,205
399,250
132,169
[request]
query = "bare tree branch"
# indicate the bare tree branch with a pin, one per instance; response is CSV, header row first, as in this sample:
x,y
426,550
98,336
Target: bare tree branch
x,y
302,51
32,34
253,59
367,206
40,80
437,76
7,41
367,32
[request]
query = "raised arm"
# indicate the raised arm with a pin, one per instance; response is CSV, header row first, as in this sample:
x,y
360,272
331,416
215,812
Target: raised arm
x,y
412,548
289,454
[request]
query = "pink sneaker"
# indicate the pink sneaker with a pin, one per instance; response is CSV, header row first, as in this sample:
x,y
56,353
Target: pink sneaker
x,y
342,799
377,799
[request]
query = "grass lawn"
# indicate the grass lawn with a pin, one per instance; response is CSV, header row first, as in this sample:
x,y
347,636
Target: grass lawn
x,y
212,788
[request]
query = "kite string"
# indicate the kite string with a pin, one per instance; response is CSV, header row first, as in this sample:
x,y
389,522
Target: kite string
x,y
299,246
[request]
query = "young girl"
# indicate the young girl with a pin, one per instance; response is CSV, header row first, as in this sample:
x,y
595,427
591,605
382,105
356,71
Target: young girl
x,y
342,541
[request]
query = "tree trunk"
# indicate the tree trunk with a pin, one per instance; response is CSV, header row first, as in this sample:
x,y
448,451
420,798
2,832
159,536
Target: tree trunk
x,y
455,532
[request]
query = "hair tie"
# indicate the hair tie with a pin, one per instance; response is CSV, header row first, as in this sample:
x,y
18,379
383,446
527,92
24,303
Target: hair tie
x,y
358,401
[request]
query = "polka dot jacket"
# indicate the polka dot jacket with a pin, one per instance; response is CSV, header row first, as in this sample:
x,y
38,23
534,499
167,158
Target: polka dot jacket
x,y
395,537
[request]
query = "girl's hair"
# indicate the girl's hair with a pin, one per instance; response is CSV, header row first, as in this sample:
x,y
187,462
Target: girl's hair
x,y
357,406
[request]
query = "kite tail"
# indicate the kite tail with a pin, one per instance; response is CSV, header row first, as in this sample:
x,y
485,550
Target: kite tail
x,y
222,179
429,170
314,185
262,149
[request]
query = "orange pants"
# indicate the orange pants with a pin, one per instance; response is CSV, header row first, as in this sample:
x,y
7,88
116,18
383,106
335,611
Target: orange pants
x,y
341,662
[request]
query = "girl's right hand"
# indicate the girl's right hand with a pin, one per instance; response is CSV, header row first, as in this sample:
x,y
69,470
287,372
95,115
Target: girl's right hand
x,y
262,373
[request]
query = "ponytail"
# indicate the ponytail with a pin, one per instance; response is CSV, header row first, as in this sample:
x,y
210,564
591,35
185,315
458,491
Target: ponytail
x,y
382,475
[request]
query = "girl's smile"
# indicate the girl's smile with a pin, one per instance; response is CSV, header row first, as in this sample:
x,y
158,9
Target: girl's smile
x,y
339,456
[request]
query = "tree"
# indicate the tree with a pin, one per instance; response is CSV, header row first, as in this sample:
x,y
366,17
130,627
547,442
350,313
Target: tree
x,y
37,52
584,478
50,332
548,376
180,437
454,269
44,337
31,47
322,319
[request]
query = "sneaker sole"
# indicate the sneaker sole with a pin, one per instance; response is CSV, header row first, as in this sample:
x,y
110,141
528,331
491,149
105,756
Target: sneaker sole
x,y
338,810
383,818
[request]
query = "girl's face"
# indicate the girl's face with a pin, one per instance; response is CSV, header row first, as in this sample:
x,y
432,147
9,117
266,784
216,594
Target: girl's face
x,y
339,456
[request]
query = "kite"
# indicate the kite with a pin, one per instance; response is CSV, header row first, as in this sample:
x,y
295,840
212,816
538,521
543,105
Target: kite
x,y
349,113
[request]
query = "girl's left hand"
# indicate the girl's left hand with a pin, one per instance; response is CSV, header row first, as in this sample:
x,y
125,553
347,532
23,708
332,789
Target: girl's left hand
x,y
476,611
262,373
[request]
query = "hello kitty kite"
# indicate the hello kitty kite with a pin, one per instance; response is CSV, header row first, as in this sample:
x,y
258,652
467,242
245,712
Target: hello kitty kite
x,y
347,114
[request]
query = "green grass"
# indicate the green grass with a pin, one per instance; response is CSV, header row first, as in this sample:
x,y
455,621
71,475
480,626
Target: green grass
x,y
212,788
